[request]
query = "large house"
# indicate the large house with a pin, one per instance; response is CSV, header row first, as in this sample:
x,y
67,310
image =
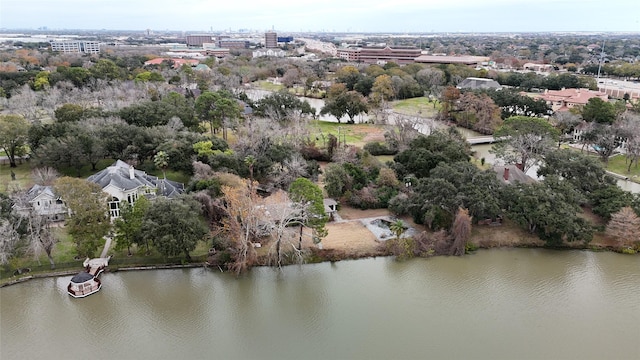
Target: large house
x,y
124,183
565,99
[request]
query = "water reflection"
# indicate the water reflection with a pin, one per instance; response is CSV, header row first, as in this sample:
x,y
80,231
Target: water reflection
x,y
503,303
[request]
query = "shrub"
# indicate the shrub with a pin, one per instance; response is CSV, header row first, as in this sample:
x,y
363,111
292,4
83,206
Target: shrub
x,y
364,198
376,148
311,152
470,247
399,204
384,194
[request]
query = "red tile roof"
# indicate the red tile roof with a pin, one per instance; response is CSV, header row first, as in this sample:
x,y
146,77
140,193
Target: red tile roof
x,y
573,96
177,62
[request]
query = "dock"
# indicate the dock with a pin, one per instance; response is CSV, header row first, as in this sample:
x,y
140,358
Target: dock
x,y
96,266
87,282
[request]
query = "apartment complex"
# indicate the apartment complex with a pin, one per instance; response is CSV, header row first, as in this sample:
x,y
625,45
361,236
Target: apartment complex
x,y
372,55
72,46
270,40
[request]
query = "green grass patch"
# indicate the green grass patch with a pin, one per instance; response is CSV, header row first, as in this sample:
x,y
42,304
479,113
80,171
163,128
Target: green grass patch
x,y
22,174
384,158
353,134
416,106
619,165
269,86
478,163
65,249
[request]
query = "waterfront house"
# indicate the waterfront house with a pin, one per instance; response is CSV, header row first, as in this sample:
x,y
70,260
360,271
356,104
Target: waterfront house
x,y
124,183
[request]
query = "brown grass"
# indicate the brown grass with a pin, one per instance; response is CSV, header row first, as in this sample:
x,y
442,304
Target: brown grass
x,y
351,237
349,213
508,234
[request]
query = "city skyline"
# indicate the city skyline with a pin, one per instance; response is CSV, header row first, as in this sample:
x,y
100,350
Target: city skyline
x,y
330,16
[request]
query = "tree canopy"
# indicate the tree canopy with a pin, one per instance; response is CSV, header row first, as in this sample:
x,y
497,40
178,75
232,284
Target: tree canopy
x,y
89,221
174,226
524,140
14,131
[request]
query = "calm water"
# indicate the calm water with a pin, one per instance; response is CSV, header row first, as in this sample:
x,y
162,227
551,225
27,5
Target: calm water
x,y
497,304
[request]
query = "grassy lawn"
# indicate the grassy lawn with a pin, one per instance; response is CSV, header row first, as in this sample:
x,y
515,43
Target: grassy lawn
x,y
354,134
618,164
416,106
267,85
23,177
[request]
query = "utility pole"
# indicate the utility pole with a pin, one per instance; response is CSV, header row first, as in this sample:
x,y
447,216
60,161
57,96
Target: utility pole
x,y
601,59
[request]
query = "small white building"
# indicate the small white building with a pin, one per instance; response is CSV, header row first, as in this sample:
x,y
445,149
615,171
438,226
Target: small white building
x,y
269,53
45,203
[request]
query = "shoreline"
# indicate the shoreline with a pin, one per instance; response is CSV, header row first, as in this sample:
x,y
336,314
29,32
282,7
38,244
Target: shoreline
x,y
330,255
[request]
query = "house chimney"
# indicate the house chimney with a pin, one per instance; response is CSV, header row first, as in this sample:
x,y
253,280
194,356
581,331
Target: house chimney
x,y
506,174
132,174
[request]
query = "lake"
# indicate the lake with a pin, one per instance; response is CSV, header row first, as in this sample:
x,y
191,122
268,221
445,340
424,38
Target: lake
x,y
496,304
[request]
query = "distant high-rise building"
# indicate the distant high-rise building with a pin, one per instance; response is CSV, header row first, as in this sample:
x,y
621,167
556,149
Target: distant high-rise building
x,y
87,47
271,39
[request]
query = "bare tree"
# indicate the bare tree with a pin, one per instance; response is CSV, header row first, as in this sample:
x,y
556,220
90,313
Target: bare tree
x,y
284,174
44,176
405,129
624,226
39,237
460,231
280,215
242,223
630,127
431,80
8,240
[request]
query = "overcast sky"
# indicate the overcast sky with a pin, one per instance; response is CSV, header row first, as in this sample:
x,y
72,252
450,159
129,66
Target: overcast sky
x,y
325,15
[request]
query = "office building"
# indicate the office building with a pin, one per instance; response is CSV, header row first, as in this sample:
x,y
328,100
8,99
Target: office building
x,y
373,55
69,46
199,39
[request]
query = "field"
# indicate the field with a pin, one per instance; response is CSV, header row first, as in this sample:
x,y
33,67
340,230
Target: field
x,y
353,134
269,86
416,106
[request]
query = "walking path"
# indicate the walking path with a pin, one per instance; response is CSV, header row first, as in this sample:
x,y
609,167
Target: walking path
x,y
107,245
